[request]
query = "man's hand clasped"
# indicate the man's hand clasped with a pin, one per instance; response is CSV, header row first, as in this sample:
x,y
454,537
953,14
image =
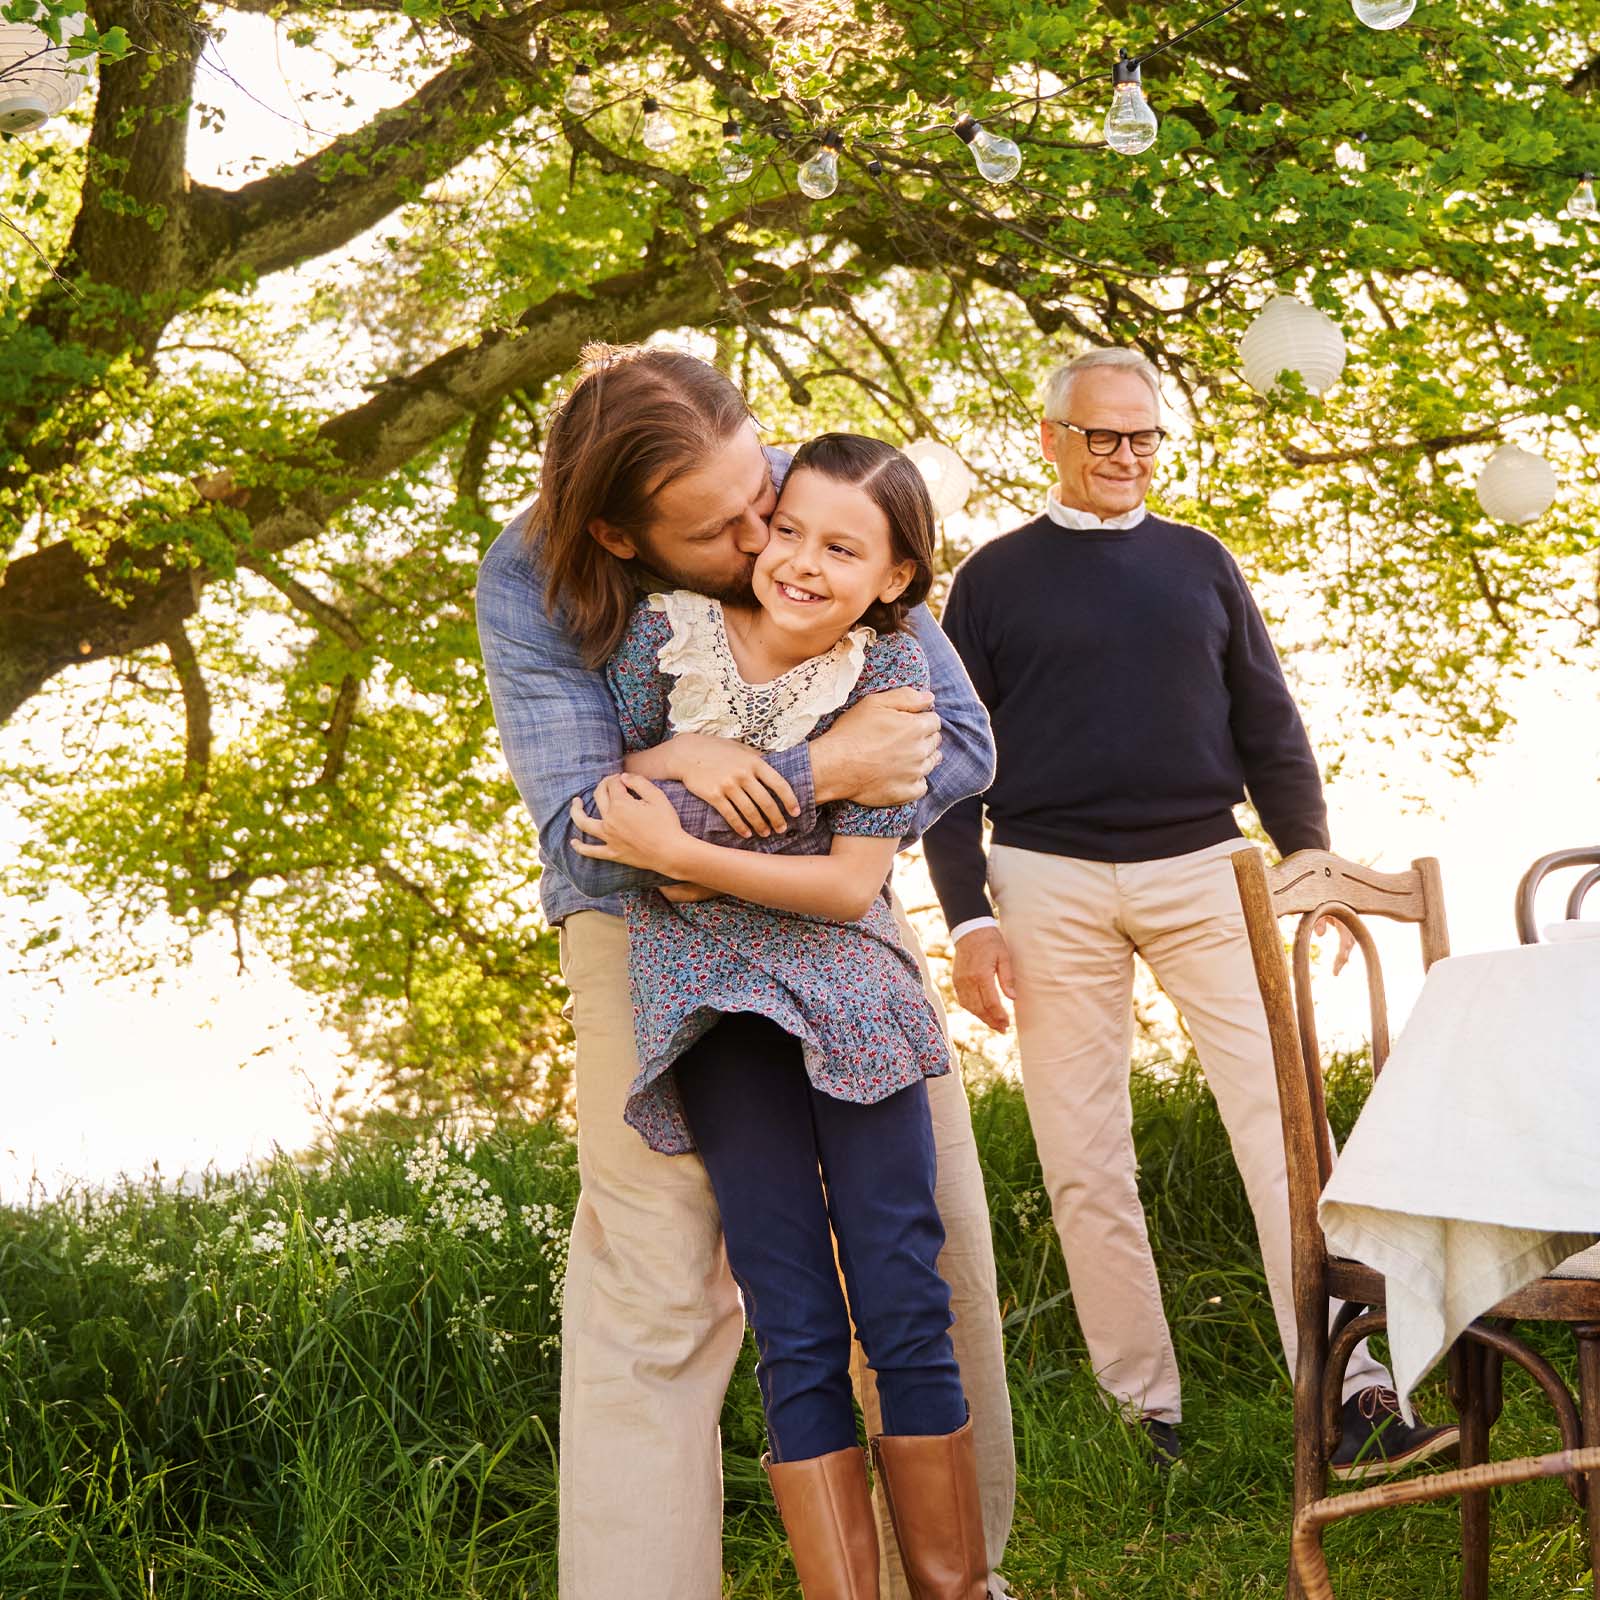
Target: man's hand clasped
x,y
880,751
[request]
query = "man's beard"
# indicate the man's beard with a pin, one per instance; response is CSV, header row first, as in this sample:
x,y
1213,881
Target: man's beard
x,y
655,570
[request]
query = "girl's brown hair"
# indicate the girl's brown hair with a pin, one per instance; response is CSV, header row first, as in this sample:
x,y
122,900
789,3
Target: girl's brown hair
x,y
636,419
893,484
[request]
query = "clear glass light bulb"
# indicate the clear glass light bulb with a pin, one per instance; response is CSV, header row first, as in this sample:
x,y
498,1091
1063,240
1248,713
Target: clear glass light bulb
x,y
580,93
999,160
1583,205
736,162
1383,14
659,131
819,176
1130,123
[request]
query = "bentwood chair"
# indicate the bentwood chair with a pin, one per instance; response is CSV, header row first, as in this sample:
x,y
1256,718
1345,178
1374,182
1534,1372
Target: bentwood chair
x,y
1310,885
1528,889
1309,1561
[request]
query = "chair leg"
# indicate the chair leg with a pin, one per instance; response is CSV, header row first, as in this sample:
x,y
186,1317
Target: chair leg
x,y
1468,1383
1310,1447
1588,1334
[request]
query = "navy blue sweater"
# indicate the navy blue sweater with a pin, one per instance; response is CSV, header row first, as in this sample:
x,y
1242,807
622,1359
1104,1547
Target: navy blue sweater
x,y
1135,696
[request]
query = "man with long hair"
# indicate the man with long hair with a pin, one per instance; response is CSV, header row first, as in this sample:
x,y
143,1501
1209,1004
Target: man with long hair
x,y
654,477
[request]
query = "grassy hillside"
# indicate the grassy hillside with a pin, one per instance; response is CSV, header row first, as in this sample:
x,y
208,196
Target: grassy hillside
x,y
339,1379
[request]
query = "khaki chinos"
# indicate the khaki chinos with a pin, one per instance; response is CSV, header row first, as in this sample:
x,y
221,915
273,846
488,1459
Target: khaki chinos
x,y
1072,928
652,1323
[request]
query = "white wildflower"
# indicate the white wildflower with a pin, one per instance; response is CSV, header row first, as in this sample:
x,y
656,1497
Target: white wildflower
x,y
427,1163
459,1200
463,1204
472,1314
271,1238
554,1244
1030,1210
358,1238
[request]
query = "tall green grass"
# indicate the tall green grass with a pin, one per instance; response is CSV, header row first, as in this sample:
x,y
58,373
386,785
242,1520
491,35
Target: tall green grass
x,y
339,1378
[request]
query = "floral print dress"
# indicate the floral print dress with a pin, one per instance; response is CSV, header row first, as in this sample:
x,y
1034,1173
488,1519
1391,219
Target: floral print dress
x,y
848,991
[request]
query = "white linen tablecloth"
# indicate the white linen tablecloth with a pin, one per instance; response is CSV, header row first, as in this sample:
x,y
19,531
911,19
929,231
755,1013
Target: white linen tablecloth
x,y
1474,1167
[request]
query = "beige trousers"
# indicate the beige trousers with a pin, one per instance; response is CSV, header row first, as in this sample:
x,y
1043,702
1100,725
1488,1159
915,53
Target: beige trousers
x,y
1072,928
652,1321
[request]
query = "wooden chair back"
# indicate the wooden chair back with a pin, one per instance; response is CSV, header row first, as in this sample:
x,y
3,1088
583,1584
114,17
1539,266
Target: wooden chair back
x,y
1528,889
1311,885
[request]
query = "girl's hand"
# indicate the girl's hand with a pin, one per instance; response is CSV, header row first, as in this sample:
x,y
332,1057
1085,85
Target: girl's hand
x,y
637,825
734,780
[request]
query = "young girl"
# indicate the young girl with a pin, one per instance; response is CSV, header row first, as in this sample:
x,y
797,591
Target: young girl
x,y
783,1030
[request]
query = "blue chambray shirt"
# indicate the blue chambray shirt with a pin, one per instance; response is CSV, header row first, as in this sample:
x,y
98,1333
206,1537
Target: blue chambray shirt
x,y
559,730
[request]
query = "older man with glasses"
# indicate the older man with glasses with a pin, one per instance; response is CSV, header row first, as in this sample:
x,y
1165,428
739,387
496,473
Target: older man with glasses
x,y
1135,698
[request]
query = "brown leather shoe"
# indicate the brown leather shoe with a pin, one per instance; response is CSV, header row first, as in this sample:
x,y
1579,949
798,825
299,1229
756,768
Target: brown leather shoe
x,y
827,1512
931,1483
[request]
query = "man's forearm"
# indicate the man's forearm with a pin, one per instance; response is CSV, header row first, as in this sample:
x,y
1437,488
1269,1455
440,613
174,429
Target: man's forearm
x,y
835,775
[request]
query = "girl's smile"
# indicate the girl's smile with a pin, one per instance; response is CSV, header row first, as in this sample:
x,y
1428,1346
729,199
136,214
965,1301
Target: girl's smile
x,y
829,558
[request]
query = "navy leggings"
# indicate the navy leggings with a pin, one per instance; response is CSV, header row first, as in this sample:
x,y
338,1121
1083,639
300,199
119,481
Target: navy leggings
x,y
785,1161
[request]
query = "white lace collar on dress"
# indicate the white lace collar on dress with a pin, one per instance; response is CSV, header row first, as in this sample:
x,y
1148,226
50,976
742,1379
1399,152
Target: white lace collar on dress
x,y
709,695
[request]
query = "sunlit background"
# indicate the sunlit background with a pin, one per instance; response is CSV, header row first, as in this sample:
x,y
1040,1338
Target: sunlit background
x,y
208,1063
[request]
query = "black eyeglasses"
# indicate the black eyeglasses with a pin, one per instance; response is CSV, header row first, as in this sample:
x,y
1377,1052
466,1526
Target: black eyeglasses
x,y
1107,441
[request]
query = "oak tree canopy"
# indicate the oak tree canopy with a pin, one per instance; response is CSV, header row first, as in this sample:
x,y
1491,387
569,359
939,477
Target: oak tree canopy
x,y
255,434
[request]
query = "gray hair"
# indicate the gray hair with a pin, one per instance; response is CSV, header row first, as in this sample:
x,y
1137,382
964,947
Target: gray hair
x,y
1058,386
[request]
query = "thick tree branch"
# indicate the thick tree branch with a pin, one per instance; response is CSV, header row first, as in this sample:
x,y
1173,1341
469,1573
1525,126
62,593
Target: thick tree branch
x,y
121,277
1397,447
337,734
57,611
196,710
355,181
273,8
148,242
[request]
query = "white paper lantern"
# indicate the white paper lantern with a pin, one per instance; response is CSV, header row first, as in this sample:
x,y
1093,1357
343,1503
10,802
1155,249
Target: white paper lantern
x,y
1516,486
37,81
948,477
1290,336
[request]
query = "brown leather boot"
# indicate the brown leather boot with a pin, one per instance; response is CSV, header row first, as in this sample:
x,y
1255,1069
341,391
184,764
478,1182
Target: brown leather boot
x,y
827,1512
931,1483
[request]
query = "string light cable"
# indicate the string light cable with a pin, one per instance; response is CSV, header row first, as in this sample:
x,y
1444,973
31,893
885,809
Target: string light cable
x,y
1130,126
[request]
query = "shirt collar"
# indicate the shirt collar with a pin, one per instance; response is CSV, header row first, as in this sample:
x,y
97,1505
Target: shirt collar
x,y
1085,521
